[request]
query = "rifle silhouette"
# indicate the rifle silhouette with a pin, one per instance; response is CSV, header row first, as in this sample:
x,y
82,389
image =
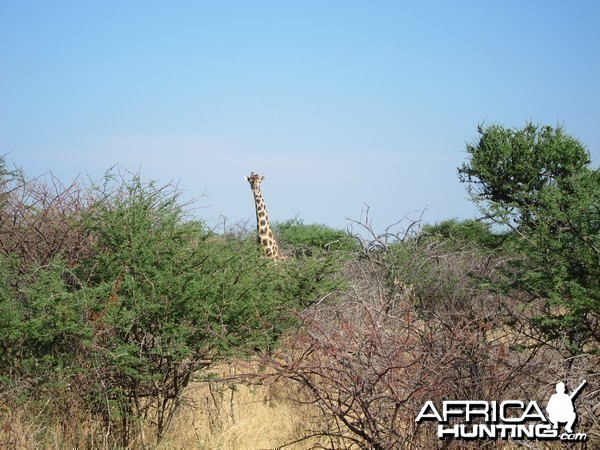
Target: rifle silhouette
x,y
576,391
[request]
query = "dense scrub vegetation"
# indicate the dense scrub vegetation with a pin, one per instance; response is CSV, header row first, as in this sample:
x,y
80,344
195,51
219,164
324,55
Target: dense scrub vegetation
x,y
114,299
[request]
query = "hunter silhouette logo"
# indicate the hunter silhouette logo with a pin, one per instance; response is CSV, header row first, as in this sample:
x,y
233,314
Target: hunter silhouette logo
x,y
514,419
560,407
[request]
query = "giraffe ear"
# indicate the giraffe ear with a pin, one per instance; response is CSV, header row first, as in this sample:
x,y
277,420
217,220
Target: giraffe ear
x,y
246,178
262,178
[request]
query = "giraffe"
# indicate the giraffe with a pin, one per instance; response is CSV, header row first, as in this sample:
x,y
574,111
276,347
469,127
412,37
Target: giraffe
x,y
265,236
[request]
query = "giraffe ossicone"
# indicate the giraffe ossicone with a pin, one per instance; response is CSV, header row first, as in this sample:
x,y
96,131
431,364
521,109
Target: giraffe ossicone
x,y
266,239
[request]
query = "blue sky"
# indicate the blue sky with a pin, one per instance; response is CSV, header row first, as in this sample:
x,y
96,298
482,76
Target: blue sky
x,y
339,103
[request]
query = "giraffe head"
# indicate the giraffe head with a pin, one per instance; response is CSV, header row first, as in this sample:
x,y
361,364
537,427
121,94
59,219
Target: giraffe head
x,y
254,179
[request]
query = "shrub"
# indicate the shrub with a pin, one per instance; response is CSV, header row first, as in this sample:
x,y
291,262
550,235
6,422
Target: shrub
x,y
170,301
313,237
464,231
416,327
371,360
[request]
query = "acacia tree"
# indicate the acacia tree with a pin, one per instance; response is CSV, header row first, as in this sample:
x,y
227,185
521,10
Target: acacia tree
x,y
167,300
538,182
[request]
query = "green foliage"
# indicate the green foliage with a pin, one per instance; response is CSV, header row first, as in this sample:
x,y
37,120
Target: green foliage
x,y
469,230
6,177
538,182
173,300
11,317
319,253
439,274
512,169
40,323
153,297
313,237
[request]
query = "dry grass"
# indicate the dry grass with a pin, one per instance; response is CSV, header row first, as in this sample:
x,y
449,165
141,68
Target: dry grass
x,y
225,415
216,415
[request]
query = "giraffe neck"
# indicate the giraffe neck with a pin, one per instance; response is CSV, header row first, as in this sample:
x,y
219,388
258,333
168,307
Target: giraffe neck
x,y
265,236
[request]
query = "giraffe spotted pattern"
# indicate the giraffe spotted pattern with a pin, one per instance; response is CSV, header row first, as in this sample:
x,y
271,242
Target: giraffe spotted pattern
x,y
266,239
